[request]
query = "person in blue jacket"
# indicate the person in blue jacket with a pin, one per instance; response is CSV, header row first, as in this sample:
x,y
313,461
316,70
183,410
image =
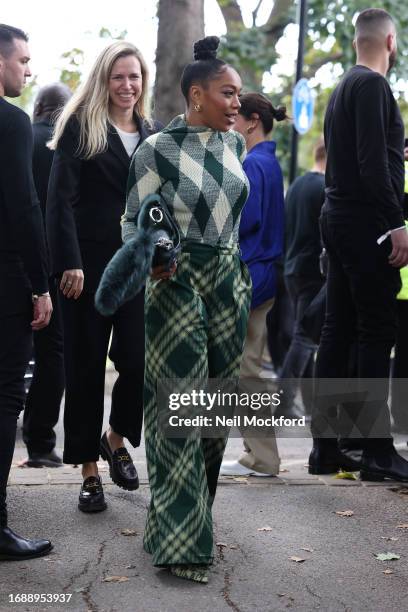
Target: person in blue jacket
x,y
261,237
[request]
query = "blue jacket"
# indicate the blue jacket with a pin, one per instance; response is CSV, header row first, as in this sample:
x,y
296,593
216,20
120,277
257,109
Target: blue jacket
x,y
262,221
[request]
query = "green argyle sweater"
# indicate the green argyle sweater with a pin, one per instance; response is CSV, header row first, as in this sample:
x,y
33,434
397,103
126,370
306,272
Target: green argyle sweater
x,y
198,171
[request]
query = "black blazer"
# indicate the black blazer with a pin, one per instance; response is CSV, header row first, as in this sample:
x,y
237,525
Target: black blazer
x,y
85,202
42,159
23,259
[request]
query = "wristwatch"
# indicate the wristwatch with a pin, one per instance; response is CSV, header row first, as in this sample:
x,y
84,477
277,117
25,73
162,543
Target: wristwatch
x,y
35,296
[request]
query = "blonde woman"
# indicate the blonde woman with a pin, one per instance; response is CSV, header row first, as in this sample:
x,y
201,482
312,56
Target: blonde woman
x,y
94,139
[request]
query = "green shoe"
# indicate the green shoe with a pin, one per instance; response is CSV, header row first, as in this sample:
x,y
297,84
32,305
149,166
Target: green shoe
x,y
197,573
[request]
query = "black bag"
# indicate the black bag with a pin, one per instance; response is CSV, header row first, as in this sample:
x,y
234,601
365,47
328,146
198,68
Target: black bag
x,y
154,218
156,243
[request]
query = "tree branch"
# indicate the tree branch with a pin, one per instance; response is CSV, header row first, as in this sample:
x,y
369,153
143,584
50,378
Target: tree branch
x,y
318,63
278,19
255,13
231,12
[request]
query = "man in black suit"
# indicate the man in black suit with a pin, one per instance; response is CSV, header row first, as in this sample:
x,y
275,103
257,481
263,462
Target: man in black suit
x,y
25,304
47,387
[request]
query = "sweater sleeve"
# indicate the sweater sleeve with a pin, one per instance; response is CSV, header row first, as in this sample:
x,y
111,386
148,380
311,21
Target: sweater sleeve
x,y
372,112
22,206
144,179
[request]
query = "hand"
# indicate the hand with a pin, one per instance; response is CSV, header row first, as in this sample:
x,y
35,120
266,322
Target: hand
x,y
42,311
399,254
72,283
161,272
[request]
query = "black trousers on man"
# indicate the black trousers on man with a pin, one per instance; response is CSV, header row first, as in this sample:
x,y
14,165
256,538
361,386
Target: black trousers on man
x,y
302,291
361,306
15,351
86,342
43,401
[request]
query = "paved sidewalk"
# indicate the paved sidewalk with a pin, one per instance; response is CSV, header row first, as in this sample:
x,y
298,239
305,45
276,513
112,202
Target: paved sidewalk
x,y
280,543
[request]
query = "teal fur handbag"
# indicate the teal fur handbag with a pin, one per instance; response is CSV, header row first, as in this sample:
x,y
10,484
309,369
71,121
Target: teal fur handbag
x,y
156,243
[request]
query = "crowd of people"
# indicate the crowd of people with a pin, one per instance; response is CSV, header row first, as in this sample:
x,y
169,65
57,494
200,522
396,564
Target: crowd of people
x,y
71,188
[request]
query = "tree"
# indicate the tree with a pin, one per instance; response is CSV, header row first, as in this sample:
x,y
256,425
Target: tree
x,y
181,23
252,50
329,42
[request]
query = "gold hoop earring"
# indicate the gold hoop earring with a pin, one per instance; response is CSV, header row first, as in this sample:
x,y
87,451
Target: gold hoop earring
x,y
198,108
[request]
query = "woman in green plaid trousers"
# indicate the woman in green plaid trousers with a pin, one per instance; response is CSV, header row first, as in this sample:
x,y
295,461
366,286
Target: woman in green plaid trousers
x,y
195,315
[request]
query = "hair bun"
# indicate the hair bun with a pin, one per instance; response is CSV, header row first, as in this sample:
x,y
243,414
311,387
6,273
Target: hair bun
x,y
206,48
280,113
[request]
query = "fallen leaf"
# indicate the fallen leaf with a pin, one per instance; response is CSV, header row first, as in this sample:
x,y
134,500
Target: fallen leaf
x,y
388,556
297,559
388,571
344,512
389,539
115,579
130,566
222,545
266,528
307,549
346,475
240,479
402,526
128,532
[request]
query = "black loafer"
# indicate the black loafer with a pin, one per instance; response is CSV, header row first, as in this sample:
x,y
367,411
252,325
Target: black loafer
x,y
121,467
91,497
15,548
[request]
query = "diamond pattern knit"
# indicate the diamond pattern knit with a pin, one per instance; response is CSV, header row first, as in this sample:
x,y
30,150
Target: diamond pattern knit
x,y
199,173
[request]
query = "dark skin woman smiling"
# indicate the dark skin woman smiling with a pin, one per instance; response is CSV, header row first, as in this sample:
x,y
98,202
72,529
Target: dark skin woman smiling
x,y
196,318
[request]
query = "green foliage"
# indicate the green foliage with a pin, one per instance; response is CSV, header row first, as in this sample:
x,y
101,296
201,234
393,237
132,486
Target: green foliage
x,y
71,74
330,25
247,50
25,101
106,33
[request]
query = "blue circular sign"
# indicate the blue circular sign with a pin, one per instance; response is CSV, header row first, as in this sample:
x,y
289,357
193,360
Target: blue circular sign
x,y
302,106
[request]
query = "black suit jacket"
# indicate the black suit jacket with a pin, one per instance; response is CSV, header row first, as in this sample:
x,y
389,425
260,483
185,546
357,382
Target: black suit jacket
x,y
23,259
85,202
42,159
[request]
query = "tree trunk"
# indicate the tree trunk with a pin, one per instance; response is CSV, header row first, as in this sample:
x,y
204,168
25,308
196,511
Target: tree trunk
x,y
181,24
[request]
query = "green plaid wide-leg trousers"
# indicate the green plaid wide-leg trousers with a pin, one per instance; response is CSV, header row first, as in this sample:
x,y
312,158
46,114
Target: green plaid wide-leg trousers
x,y
195,329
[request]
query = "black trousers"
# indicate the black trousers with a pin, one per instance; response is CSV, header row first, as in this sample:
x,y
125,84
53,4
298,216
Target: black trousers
x,y
86,341
361,308
15,351
302,291
399,381
43,401
279,322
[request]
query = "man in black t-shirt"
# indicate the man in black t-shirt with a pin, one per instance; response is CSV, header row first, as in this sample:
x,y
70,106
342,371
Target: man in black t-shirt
x,y
364,234
303,279
25,303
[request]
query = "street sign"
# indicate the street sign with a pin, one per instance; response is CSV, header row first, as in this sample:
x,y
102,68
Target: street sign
x,y
302,106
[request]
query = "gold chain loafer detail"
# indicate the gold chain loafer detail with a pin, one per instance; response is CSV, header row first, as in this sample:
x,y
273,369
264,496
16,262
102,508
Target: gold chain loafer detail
x,y
121,467
91,497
